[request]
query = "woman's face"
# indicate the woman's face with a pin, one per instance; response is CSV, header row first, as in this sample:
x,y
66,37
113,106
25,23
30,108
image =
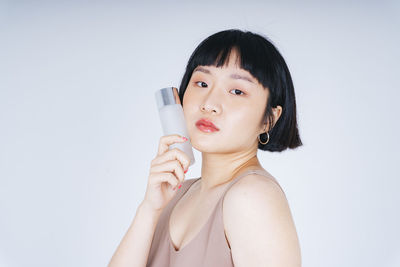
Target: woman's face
x,y
233,100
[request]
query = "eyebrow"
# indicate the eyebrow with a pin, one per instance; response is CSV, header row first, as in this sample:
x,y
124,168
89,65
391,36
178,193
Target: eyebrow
x,y
233,76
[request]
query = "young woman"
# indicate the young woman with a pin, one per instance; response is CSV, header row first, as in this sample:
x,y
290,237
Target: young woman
x,y
238,97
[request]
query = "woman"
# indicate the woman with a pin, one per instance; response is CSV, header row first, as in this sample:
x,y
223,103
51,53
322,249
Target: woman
x,y
238,97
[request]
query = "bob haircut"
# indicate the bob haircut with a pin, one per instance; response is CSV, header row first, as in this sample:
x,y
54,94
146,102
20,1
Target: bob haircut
x,y
262,59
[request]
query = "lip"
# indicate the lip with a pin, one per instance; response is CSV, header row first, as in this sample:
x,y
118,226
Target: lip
x,y
206,125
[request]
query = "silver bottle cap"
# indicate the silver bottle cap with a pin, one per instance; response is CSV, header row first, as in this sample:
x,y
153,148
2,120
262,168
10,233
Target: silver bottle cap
x,y
167,96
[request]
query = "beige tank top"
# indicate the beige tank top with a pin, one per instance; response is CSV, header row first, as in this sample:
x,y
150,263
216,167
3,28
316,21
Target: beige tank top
x,y
208,248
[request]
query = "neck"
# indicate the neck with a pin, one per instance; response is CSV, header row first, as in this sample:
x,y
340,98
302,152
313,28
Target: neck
x,y
218,169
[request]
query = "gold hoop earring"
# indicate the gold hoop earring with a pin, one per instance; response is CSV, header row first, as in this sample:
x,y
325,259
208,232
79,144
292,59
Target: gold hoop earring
x,y
267,139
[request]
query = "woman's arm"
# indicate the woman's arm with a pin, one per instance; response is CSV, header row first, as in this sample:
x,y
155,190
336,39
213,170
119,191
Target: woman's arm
x,y
259,224
134,248
166,174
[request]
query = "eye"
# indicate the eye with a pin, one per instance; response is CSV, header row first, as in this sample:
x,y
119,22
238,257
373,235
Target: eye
x,y
237,90
202,83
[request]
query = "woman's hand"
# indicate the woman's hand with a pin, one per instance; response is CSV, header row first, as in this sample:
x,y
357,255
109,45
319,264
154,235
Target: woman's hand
x,y
167,172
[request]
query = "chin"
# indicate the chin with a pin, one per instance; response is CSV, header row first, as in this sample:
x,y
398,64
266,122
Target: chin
x,y
203,143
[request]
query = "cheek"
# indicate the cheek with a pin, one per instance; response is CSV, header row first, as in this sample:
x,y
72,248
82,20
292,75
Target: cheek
x,y
245,118
189,106
189,100
186,103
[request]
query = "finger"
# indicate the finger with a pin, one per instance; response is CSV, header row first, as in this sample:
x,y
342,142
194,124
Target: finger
x,y
167,140
161,177
172,166
173,154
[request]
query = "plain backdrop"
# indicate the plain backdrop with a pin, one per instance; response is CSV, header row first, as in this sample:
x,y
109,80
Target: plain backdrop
x,y
79,125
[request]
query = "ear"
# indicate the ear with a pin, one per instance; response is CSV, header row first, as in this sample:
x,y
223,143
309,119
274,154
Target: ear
x,y
277,113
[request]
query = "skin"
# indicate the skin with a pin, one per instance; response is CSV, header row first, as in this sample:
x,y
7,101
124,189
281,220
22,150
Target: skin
x,y
231,111
271,238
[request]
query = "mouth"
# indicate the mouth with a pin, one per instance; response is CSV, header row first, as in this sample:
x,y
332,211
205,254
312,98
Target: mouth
x,y
206,126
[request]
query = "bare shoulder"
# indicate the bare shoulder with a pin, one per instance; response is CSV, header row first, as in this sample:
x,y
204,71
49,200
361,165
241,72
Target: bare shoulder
x,y
255,187
258,182
256,213
253,191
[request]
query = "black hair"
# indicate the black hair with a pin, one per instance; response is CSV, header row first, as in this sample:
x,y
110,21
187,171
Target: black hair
x,y
262,59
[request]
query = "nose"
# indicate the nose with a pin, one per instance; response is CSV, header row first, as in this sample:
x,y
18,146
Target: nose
x,y
208,108
211,103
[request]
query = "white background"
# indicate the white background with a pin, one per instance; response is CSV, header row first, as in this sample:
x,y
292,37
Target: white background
x,y
79,124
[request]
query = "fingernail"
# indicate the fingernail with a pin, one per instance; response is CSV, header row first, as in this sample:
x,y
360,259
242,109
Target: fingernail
x,y
184,138
186,171
180,186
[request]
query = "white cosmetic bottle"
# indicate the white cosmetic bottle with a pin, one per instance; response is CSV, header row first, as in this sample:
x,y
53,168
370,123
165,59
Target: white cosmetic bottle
x,y
172,118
